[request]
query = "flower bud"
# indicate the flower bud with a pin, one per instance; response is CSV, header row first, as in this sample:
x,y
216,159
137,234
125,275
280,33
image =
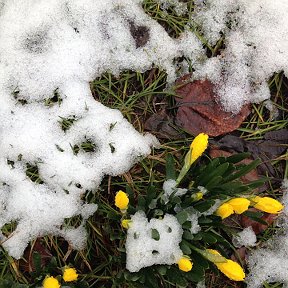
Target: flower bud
x,y
267,204
185,264
121,200
224,210
239,205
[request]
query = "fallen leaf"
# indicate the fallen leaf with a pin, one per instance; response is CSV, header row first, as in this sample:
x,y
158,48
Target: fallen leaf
x,y
162,125
199,111
44,253
240,255
256,226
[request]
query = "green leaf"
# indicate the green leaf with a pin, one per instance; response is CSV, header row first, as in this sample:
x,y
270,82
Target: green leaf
x,y
204,220
196,274
231,188
187,235
212,257
246,169
204,205
170,167
213,182
150,279
176,277
256,216
141,203
208,238
151,194
182,217
130,193
184,246
257,183
218,171
162,270
37,262
155,234
238,157
200,260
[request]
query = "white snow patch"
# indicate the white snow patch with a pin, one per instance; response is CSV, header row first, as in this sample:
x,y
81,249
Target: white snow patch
x,y
256,46
246,237
270,263
143,251
169,188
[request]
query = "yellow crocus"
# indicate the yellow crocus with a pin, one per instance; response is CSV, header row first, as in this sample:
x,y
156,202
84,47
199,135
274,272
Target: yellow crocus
x,y
70,274
267,204
126,223
229,268
121,200
224,210
198,146
51,282
197,196
185,264
239,205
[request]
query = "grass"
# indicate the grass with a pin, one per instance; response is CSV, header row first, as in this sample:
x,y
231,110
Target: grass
x,y
137,95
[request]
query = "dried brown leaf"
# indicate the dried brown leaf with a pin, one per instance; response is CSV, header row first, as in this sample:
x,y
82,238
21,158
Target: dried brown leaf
x,y
199,111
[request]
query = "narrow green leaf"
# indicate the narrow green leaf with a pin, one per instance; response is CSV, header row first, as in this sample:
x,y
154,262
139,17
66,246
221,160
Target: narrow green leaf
x,y
238,157
204,205
246,169
218,171
184,246
170,167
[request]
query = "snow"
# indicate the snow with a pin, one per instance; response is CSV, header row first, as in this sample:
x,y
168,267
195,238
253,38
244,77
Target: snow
x,y
58,46
255,37
246,237
270,263
143,251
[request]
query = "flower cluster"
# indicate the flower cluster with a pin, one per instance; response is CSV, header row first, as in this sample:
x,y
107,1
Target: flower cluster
x,y
240,205
206,185
69,275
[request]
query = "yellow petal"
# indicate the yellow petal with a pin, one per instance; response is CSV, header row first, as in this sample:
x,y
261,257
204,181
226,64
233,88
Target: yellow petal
x,y
121,200
232,270
126,223
185,264
239,205
198,146
51,282
229,268
70,274
267,204
224,210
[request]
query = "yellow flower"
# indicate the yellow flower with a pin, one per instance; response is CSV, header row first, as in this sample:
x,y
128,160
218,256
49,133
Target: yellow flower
x,y
198,146
197,196
121,200
185,264
70,274
239,205
51,282
229,268
224,210
126,223
267,204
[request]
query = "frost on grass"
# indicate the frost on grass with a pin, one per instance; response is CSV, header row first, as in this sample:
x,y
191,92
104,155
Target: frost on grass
x,y
255,35
153,242
270,263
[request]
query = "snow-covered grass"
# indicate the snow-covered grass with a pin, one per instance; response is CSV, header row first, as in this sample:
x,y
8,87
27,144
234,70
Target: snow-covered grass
x,y
34,89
